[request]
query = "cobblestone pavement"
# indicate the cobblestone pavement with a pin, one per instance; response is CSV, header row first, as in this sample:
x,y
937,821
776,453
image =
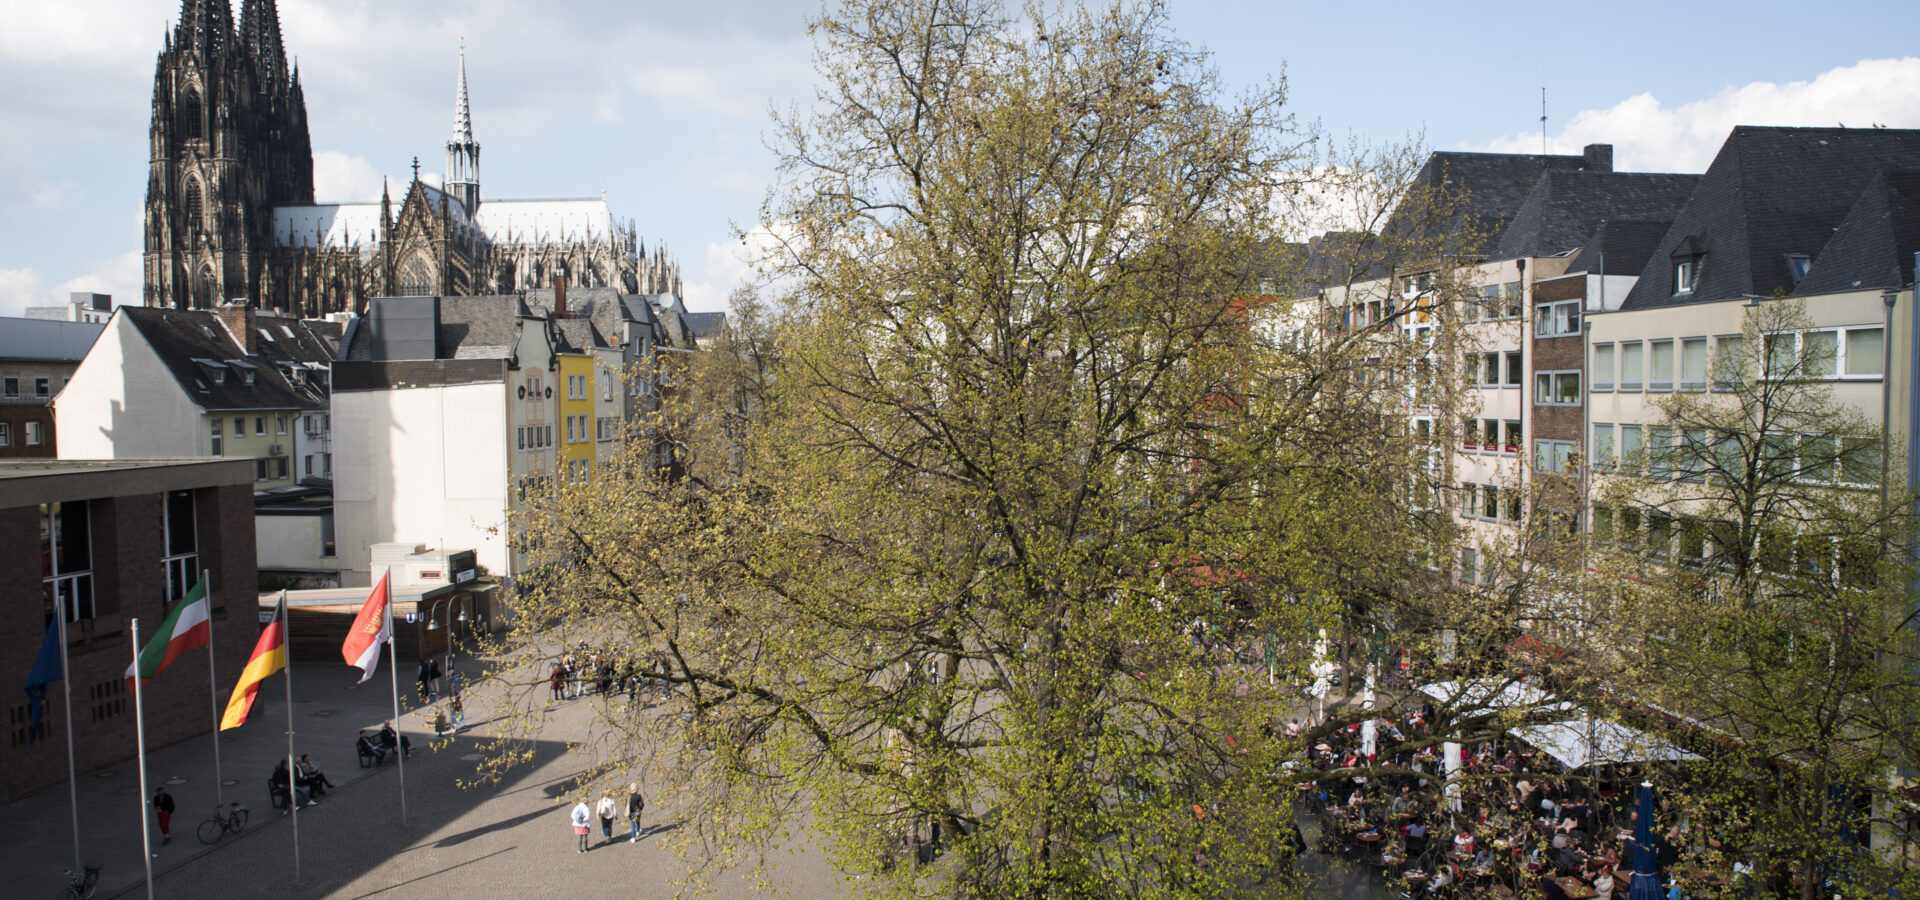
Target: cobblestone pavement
x,y
510,839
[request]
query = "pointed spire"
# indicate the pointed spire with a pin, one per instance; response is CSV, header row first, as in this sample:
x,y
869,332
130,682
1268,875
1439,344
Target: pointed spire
x,y
462,115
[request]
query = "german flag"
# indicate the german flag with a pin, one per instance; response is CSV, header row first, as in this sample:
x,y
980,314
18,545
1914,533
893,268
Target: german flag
x,y
269,656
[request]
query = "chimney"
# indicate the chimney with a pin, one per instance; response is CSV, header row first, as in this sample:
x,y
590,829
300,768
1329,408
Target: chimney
x,y
238,317
1599,157
560,295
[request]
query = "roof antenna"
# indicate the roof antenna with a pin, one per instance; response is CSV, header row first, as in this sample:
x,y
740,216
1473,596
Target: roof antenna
x,y
1543,120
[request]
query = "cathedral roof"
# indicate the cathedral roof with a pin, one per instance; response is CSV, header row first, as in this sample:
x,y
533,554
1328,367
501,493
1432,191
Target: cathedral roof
x,y
326,225
546,220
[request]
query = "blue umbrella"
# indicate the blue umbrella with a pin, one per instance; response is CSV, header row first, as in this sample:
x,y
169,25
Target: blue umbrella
x,y
1646,859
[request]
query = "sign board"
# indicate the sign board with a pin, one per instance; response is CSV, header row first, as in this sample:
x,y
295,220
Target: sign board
x,y
266,616
464,577
410,618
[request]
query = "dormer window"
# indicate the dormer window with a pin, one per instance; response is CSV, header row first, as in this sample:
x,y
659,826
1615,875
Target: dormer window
x,y
219,376
246,377
1798,264
1686,265
1684,274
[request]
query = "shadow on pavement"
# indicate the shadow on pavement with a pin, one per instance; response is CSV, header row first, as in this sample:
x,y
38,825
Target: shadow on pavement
x,y
432,874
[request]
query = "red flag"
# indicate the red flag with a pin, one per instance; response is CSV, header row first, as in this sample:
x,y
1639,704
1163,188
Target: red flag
x,y
370,628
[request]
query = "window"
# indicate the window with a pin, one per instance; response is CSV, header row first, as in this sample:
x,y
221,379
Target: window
x,y
1798,264
11,386
1553,456
1860,462
1469,500
179,538
1513,440
1659,451
1603,444
279,467
1685,273
1659,365
6,434
306,467
416,278
280,424
1695,454
569,429
216,435
1516,373
520,438
1729,352
239,427
1473,368
1659,533
326,535
1632,365
1469,565
1631,456
260,425
66,558
1556,388
33,433
1515,294
40,387
1556,319
1602,522
109,699
1603,367
326,463
1865,352
260,470
1489,370
1693,364
1490,502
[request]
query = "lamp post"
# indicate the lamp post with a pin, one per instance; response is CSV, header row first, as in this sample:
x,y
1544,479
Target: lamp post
x,y
433,624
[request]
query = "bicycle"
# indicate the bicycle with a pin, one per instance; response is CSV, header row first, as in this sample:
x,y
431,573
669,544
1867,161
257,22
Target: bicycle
x,y
81,884
231,819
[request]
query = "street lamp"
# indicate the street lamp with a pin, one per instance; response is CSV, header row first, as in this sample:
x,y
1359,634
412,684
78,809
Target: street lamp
x,y
433,624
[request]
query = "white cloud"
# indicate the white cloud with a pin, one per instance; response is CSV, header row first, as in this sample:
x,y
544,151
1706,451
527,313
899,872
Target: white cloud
x,y
1648,136
19,289
728,265
340,177
119,276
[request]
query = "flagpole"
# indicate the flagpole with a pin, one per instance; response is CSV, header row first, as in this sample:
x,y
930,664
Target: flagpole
x,y
393,670
293,800
66,689
213,687
140,738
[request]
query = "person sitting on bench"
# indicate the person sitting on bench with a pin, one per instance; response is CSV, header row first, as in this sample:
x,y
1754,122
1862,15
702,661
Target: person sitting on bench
x,y
370,748
282,781
390,740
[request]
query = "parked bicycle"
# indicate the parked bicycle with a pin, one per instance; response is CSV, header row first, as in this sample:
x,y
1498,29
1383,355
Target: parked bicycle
x,y
233,818
81,884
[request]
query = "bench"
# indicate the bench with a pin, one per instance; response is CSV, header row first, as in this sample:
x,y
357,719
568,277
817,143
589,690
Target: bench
x,y
367,758
278,798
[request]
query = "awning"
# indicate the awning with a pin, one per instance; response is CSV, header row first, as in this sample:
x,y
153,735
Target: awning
x,y
1587,740
1492,694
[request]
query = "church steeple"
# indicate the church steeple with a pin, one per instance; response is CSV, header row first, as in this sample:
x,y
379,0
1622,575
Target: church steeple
x,y
260,35
463,152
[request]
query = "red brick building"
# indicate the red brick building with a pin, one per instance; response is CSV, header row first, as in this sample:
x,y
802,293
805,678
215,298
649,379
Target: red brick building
x,y
36,359
117,540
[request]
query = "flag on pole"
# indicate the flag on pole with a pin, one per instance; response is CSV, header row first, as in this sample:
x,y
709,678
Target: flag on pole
x,y
188,627
370,628
269,656
46,669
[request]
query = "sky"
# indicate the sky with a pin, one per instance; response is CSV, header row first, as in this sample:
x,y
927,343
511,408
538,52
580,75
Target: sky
x,y
664,106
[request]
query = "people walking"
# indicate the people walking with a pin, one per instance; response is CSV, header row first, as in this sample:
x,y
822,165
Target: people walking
x,y
636,805
163,810
582,819
606,810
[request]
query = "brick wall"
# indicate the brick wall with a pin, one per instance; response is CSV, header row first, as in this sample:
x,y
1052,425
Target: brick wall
x,y
16,416
128,575
1559,423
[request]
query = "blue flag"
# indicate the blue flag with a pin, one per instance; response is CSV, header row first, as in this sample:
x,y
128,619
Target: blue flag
x,y
46,669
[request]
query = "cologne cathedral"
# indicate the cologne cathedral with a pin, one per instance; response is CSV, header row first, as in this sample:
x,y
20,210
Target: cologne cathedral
x,y
231,217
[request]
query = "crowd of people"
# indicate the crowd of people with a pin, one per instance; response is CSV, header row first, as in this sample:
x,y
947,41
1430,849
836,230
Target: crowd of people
x,y
1514,825
604,672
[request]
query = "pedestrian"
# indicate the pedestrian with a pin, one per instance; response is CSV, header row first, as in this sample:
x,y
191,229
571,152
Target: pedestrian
x,y
636,805
582,817
163,810
424,682
434,675
559,682
606,810
459,712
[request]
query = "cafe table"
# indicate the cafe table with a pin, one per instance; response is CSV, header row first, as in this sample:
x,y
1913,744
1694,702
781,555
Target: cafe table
x,y
1575,888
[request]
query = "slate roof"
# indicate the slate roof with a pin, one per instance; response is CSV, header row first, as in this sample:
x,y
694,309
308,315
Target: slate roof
x,y
1566,206
483,327
577,335
705,324
210,366
1495,186
1770,192
46,339
602,305
1622,246
1873,246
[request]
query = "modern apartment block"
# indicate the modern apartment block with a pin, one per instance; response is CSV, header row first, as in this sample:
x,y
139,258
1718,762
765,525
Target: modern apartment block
x,y
37,357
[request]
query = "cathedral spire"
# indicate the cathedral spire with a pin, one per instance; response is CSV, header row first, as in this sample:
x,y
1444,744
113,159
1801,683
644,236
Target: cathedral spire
x,y
260,35
463,152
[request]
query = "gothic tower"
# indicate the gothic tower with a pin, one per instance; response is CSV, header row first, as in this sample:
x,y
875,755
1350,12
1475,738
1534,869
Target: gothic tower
x,y
463,152
228,141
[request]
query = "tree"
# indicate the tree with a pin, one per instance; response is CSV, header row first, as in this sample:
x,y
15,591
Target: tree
x,y
1004,480
1765,614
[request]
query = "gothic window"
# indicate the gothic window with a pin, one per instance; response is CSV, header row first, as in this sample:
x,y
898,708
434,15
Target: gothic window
x,y
193,206
416,278
203,288
190,116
